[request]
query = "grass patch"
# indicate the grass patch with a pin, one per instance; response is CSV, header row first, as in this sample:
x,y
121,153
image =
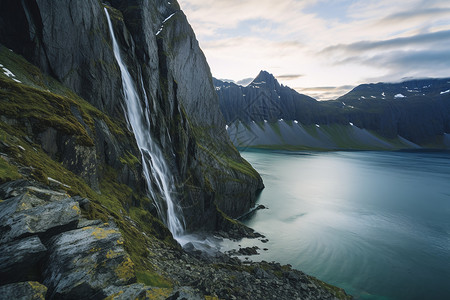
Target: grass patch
x,y
8,172
42,97
152,279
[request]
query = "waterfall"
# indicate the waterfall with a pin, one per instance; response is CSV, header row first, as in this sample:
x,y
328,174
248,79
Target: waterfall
x,y
155,168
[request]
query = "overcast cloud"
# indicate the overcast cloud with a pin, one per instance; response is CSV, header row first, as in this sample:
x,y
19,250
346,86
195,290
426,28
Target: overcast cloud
x,y
323,43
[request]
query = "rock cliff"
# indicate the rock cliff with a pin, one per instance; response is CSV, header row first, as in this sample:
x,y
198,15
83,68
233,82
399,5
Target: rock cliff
x,y
70,41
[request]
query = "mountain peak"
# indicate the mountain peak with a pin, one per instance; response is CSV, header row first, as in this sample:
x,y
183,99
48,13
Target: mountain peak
x,y
264,76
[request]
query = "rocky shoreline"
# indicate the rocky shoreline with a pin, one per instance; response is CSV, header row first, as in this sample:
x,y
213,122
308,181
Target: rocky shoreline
x,y
50,250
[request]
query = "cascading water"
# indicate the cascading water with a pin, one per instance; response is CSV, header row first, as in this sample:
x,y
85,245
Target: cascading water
x,y
154,165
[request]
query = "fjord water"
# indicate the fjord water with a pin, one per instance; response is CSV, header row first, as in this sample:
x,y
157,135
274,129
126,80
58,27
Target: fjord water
x,y
374,223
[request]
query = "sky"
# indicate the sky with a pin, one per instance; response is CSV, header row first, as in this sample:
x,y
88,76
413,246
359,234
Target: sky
x,y
323,48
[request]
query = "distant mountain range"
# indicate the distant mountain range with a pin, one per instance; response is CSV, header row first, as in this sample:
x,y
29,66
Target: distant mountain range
x,y
410,114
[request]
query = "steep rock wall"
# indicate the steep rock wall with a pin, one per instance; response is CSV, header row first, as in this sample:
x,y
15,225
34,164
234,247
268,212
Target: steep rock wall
x,y
69,40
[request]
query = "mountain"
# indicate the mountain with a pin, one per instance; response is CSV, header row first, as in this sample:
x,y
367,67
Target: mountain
x,y
411,114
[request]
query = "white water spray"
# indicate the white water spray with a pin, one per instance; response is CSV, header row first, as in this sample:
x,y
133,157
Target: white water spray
x,y
154,165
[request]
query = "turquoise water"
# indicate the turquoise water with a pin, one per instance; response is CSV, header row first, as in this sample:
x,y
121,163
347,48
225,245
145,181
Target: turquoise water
x,y
374,223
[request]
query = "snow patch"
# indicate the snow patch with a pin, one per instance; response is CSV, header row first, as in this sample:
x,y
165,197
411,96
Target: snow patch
x,y
373,97
343,103
265,121
8,72
317,125
383,94
295,121
351,124
445,92
281,120
58,182
399,96
165,20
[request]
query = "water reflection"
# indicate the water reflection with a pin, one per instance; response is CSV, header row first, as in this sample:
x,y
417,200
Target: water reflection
x,y
375,223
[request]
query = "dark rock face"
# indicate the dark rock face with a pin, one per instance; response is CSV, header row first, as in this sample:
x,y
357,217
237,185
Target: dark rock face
x,y
20,259
66,40
265,99
70,41
23,291
418,110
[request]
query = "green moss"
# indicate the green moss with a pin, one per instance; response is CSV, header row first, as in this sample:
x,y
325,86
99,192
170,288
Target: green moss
x,y
8,172
45,99
129,159
45,108
153,279
337,292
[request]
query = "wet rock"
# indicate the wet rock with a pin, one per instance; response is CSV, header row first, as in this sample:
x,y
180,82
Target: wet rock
x,y
249,250
86,261
19,260
30,290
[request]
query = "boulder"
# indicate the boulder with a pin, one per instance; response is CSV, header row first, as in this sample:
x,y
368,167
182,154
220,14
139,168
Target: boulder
x,y
83,262
20,187
30,290
44,220
19,260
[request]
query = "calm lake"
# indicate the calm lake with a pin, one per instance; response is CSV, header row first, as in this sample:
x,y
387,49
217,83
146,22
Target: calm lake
x,y
374,223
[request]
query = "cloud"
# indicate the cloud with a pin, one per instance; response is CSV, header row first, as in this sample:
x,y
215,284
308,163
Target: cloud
x,y
417,40
331,43
245,81
325,92
419,60
424,14
289,76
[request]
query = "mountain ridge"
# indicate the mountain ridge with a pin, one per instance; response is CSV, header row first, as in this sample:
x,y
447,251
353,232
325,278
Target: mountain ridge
x,y
415,111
